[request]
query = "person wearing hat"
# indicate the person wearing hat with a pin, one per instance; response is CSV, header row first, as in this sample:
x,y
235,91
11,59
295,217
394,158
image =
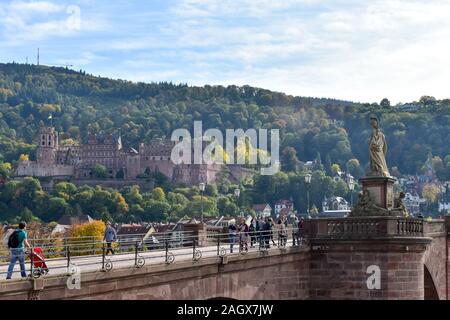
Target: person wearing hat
x,y
110,236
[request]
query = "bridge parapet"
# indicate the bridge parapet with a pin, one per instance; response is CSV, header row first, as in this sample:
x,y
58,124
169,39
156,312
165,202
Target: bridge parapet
x,y
371,228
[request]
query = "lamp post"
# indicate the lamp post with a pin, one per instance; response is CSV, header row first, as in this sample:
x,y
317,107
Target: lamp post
x,y
202,189
237,193
308,182
351,187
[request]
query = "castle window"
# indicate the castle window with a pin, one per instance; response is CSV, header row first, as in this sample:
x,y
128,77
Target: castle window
x,y
43,143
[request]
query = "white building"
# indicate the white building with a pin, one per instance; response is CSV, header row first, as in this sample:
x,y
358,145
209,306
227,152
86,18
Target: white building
x,y
335,207
413,202
263,210
283,204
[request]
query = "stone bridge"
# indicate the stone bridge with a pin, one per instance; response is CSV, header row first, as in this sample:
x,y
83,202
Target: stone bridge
x,y
347,258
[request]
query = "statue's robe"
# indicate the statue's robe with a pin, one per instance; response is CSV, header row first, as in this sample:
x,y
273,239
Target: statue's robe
x,y
377,152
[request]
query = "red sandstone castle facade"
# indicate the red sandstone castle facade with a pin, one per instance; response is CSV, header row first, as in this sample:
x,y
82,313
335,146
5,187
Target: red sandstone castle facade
x,y
78,161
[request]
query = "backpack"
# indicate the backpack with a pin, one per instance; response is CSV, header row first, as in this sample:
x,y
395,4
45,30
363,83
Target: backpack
x,y
13,241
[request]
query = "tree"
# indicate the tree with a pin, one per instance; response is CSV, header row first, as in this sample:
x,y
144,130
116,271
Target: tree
x,y
86,233
289,159
100,171
385,103
156,211
5,170
430,192
158,194
354,168
122,205
427,100
335,168
24,157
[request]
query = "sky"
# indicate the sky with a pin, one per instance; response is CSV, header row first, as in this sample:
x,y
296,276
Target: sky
x,y
355,50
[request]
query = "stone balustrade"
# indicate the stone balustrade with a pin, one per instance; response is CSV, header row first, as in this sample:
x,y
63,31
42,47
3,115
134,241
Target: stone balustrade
x,y
366,228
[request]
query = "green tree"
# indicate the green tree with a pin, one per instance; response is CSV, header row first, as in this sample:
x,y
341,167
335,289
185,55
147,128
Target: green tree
x,y
100,171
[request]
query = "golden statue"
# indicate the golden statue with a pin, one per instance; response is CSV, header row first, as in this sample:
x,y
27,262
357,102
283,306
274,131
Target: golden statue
x,y
377,151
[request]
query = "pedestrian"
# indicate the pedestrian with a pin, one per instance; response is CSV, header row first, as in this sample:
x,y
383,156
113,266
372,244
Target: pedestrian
x,y
267,230
16,243
252,230
295,235
282,233
243,236
110,236
260,224
301,231
232,232
270,232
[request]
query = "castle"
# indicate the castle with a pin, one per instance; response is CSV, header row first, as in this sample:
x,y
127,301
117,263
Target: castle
x,y
77,162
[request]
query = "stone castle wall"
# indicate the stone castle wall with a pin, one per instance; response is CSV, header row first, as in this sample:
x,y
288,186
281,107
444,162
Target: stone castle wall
x,y
34,169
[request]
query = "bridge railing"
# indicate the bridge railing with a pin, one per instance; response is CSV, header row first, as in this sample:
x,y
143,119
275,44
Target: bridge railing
x,y
67,255
365,227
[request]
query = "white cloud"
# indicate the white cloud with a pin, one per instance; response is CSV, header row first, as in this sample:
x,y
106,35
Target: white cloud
x,y
348,49
24,21
21,7
351,50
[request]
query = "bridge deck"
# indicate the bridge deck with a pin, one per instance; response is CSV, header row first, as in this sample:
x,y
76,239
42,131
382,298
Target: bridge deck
x,y
124,260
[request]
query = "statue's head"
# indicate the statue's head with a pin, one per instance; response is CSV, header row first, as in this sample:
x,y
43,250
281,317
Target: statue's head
x,y
374,122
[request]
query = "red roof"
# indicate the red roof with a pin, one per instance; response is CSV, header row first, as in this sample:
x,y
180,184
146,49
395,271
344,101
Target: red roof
x,y
260,207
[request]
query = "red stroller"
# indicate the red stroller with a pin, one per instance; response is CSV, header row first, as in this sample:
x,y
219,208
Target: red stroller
x,y
39,266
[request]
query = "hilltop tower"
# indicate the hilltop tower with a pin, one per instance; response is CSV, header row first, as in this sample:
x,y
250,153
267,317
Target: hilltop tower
x,y
47,146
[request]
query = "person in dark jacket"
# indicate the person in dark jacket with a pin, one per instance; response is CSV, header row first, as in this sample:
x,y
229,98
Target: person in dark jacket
x,y
253,232
110,236
301,231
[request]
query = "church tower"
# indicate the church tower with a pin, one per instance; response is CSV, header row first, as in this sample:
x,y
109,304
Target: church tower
x,y
47,146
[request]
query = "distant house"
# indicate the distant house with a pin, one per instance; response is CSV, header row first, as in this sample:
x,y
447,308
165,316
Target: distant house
x,y
309,165
264,210
66,222
128,235
283,204
286,212
413,202
409,107
69,220
335,207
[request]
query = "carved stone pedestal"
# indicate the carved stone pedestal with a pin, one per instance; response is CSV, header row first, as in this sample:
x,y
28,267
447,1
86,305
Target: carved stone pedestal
x,y
381,190
377,199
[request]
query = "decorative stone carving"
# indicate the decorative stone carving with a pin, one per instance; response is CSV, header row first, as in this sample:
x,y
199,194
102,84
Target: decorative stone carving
x,y
399,206
367,207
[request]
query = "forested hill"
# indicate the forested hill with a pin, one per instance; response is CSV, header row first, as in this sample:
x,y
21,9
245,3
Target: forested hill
x,y
337,130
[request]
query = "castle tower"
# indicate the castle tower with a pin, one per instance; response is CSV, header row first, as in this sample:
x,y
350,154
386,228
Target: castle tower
x,y
47,146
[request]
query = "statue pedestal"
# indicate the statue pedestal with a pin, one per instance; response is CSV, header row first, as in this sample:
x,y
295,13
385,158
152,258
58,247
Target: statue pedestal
x,y
381,190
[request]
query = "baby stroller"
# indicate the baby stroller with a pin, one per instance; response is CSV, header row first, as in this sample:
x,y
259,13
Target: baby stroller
x,y
39,266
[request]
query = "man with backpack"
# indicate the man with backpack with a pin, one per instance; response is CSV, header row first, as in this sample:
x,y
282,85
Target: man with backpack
x,y
16,243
